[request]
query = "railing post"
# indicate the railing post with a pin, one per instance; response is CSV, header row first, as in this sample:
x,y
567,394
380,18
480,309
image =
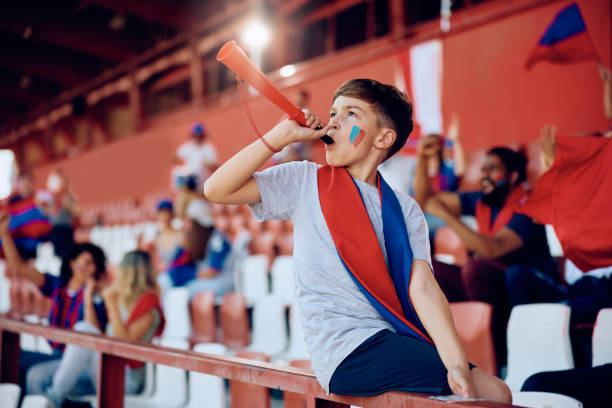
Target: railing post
x,y
111,381
9,357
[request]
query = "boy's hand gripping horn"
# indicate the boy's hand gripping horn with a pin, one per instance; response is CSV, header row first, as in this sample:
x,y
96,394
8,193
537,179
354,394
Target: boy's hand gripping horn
x,y
235,59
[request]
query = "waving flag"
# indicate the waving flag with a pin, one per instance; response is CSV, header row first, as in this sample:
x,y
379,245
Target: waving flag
x,y
574,196
565,41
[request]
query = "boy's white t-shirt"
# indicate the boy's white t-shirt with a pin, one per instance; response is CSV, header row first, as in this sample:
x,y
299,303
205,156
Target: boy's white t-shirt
x,y
335,315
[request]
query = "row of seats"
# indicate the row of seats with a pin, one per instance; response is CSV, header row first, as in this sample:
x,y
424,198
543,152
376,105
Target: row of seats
x,y
270,333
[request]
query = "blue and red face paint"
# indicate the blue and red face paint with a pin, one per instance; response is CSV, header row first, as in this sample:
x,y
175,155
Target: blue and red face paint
x,y
357,135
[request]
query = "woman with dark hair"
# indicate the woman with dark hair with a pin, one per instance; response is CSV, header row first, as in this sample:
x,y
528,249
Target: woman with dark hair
x,y
74,295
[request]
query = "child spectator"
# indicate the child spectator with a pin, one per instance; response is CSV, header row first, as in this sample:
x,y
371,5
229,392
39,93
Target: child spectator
x,y
374,318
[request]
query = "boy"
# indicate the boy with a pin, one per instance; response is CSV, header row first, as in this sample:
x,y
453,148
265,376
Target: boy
x,y
352,309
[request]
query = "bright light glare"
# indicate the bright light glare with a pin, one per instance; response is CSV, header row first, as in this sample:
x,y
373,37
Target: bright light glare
x,y
256,35
287,71
7,165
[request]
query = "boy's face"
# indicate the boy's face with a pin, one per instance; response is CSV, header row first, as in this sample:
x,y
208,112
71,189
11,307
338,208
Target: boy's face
x,y
353,127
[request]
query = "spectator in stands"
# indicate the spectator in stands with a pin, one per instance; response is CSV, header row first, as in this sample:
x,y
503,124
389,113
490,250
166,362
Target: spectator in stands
x,y
441,174
504,240
29,225
361,340
198,155
186,194
65,213
197,229
585,291
215,271
134,313
74,295
167,239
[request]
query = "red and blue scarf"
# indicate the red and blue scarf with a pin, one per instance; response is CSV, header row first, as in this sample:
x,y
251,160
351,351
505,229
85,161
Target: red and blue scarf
x,y
355,239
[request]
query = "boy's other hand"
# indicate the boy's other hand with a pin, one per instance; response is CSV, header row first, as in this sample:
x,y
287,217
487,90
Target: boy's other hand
x,y
460,382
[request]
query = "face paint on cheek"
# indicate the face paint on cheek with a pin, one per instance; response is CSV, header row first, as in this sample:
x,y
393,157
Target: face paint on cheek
x,y
357,135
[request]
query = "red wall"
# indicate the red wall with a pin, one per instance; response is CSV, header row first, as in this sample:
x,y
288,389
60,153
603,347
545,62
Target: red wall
x,y
484,82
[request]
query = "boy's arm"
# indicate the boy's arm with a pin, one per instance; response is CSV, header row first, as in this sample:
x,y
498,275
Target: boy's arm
x,y
433,311
233,182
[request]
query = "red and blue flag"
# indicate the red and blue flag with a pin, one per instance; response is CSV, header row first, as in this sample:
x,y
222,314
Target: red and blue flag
x,y
565,41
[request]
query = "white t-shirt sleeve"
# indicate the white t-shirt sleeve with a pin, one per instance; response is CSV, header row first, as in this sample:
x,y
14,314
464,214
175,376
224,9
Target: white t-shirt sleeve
x,y
280,188
418,232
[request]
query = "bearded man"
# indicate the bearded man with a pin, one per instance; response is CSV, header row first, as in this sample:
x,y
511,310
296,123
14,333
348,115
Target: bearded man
x,y
505,239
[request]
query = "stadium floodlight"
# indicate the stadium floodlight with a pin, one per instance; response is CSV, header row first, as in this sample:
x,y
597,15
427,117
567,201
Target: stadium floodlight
x,y
256,35
287,71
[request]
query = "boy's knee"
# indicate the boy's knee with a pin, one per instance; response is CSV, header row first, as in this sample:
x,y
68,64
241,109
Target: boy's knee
x,y
504,393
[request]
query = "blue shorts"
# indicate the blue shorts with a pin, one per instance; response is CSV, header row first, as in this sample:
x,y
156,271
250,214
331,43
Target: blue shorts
x,y
388,361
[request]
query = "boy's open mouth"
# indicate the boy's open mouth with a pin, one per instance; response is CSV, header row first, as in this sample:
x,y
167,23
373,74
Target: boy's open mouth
x,y
327,139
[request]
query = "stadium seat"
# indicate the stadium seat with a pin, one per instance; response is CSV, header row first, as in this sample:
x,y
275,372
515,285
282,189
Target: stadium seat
x,y
244,395
176,309
254,277
148,389
170,383
294,400
532,399
297,347
234,321
473,323
602,338
448,247
203,317
37,401
9,395
282,279
269,326
538,340
207,390
262,243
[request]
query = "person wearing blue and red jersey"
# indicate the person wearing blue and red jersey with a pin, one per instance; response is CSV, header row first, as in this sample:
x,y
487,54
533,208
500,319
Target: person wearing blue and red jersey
x,y
74,294
505,239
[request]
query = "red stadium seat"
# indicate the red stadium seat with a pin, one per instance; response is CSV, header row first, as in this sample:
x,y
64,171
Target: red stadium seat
x,y
473,323
447,242
203,324
235,330
244,395
291,399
